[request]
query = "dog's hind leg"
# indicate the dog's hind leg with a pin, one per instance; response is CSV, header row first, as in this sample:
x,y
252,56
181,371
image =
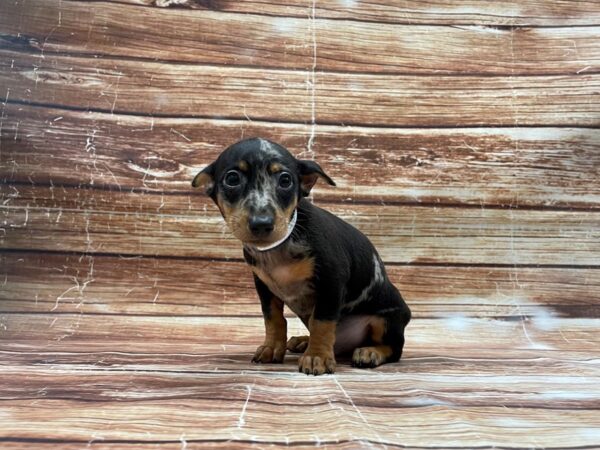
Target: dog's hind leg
x,y
297,344
386,338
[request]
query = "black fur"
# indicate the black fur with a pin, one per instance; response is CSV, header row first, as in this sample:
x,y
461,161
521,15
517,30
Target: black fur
x,y
349,277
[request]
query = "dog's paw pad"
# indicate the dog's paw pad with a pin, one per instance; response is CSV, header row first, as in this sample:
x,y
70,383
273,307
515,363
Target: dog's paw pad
x,y
367,357
297,344
316,364
269,354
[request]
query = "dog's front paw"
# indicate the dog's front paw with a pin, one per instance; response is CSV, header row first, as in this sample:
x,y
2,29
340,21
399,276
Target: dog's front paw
x,y
269,354
316,363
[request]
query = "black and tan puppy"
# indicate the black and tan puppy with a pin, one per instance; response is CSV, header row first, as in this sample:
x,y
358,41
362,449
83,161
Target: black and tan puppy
x,y
322,268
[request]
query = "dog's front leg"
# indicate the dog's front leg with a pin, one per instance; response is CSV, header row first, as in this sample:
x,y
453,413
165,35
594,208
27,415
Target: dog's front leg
x,y
318,357
274,347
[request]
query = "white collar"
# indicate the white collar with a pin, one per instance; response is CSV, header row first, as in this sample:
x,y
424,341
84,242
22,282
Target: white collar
x,y
291,226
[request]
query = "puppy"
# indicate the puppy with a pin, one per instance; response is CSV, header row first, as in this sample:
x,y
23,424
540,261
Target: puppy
x,y
322,268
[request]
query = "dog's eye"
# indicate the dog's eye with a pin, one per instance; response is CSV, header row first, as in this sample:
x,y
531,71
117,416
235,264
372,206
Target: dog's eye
x,y
233,178
285,180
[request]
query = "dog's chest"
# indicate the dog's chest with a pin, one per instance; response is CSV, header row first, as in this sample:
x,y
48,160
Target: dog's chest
x,y
290,280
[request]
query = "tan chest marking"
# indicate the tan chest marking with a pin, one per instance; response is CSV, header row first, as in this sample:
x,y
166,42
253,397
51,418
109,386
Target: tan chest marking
x,y
282,276
290,282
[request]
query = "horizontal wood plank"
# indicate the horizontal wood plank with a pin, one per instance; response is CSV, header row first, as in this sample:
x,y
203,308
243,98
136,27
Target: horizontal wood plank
x,y
398,390
168,334
403,234
247,404
105,29
223,359
127,317
46,282
518,167
171,419
15,443
450,12
152,88
74,444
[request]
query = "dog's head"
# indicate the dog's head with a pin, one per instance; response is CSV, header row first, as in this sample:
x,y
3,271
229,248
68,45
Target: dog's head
x,y
257,184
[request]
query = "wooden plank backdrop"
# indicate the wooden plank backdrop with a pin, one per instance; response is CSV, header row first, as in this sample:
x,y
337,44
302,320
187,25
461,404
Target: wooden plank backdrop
x,y
464,138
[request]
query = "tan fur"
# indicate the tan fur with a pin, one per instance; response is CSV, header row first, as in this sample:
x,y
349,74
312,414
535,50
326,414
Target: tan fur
x,y
377,354
281,220
243,166
231,214
203,180
274,346
292,281
318,357
275,167
293,273
237,218
322,335
308,181
377,329
297,344
284,214
371,356
276,324
281,276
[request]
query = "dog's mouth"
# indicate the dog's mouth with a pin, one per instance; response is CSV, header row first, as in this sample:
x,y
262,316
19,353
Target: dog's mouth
x,y
260,230
279,234
283,233
259,242
248,238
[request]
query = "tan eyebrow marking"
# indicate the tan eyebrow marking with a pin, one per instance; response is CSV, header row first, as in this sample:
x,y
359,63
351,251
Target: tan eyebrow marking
x,y
275,167
243,166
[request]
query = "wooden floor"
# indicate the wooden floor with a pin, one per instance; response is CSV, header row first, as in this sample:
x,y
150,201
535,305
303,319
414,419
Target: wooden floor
x,y
465,140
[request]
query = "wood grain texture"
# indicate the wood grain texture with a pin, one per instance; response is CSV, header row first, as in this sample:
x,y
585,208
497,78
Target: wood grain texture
x,y
397,389
450,12
252,40
100,284
168,334
15,443
234,360
161,385
464,139
152,88
402,234
425,396
529,167
192,417
350,443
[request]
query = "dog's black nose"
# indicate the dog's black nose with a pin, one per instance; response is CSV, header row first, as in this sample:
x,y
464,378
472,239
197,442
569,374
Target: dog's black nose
x,y
261,225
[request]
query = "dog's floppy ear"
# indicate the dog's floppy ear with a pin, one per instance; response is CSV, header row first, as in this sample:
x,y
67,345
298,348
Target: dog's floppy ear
x,y
309,172
205,179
